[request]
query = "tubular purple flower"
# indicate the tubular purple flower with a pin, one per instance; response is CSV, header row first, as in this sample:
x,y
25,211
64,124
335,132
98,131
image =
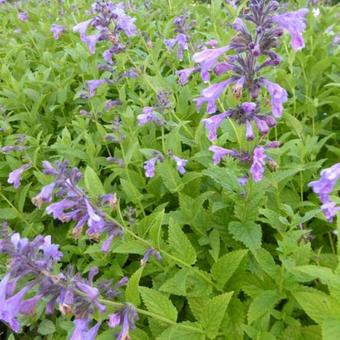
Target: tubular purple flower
x,y
208,59
261,125
278,97
91,42
149,167
257,167
57,31
180,164
219,153
148,116
93,85
222,68
124,22
81,28
185,74
82,332
23,16
294,23
213,123
211,94
249,131
44,196
14,177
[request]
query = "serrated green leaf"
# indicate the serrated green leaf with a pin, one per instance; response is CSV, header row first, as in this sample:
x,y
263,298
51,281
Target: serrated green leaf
x,y
170,177
176,284
157,303
249,233
225,267
213,313
7,213
131,292
179,332
180,244
92,182
263,303
330,330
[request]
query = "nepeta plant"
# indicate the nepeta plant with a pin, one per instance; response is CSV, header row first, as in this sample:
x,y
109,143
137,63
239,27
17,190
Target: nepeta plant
x,y
258,32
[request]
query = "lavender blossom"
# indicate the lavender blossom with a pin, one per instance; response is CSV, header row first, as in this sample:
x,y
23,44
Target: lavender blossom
x,y
93,85
150,252
149,167
73,204
127,318
219,153
278,97
180,164
324,187
23,16
181,41
213,123
185,74
148,115
14,177
294,23
57,31
257,168
82,332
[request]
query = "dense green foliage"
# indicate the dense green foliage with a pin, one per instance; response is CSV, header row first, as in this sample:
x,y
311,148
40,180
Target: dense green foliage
x,y
253,262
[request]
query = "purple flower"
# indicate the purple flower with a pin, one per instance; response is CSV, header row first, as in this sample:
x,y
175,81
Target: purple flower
x,y
149,167
185,74
219,153
222,68
44,196
257,168
14,177
211,95
208,59
82,332
127,318
261,125
180,164
57,31
91,41
112,103
124,22
181,41
294,23
213,123
23,16
81,28
147,116
249,108
93,85
278,97
324,187
148,253
249,131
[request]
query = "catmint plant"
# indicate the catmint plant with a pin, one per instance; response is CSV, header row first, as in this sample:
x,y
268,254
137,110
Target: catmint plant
x,y
258,30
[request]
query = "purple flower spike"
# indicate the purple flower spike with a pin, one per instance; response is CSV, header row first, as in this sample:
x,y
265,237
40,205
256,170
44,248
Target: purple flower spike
x,y
219,153
185,74
208,59
278,97
294,23
14,177
180,164
211,95
93,85
257,168
23,16
82,332
147,116
149,167
213,123
57,31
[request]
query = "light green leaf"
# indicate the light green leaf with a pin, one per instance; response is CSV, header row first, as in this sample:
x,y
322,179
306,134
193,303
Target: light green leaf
x,y
330,330
225,267
262,304
213,313
180,244
157,303
93,183
46,327
249,233
131,292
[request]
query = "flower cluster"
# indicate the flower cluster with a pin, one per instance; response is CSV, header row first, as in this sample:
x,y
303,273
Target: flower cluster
x,y
253,51
181,40
32,262
324,187
150,164
74,205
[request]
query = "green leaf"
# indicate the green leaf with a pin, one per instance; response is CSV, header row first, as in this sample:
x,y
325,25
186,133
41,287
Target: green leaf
x,y
225,267
93,183
7,213
330,330
180,244
213,313
170,176
157,303
176,284
46,327
131,292
156,228
178,332
249,233
263,303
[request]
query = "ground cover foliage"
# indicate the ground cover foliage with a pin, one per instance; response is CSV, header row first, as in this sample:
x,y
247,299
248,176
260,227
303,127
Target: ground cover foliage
x,y
161,170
